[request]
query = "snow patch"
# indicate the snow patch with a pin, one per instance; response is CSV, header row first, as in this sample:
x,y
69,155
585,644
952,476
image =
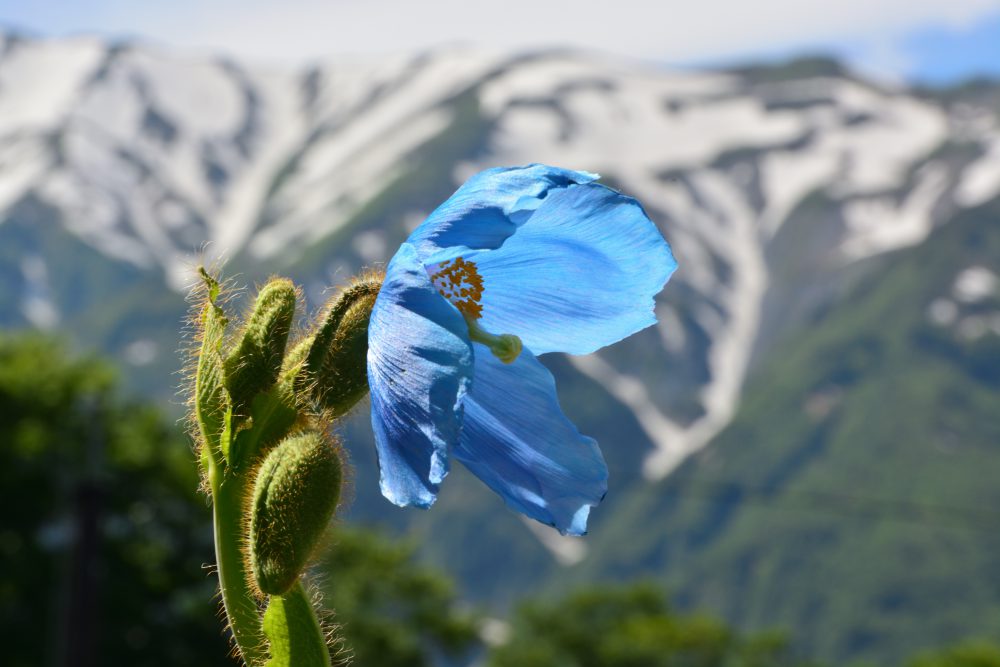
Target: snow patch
x,y
192,93
672,444
566,550
625,123
942,312
495,631
974,284
980,181
23,161
141,352
879,153
339,175
280,119
732,338
36,302
879,224
671,329
371,246
788,177
40,82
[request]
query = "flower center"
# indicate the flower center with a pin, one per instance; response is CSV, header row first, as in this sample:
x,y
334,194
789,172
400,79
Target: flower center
x,y
459,281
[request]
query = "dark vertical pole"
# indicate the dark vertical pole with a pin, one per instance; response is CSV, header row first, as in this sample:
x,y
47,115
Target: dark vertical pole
x,y
81,612
81,617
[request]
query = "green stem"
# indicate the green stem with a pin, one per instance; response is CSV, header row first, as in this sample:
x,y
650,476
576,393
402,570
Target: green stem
x,y
295,635
237,597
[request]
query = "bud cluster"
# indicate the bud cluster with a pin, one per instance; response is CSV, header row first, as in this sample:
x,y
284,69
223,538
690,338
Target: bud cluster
x,y
262,413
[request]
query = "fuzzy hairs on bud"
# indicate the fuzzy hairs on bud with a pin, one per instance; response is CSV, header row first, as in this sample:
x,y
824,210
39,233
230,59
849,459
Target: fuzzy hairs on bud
x,y
295,493
334,371
253,365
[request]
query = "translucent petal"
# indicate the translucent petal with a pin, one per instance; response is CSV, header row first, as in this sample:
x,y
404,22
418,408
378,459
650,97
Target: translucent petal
x,y
487,209
419,367
580,274
517,440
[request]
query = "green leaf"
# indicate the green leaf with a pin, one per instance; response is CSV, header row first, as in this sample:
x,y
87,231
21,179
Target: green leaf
x,y
211,284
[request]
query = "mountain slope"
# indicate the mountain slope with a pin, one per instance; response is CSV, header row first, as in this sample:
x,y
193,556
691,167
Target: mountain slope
x,y
854,496
156,160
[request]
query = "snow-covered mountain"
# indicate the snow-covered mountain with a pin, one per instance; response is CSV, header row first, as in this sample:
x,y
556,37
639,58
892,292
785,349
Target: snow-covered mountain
x,y
156,159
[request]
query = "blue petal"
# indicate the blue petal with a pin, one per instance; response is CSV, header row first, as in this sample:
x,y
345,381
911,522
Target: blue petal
x,y
419,367
487,209
517,440
580,274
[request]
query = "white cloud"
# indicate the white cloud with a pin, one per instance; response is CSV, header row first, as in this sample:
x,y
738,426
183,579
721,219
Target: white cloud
x,y
670,30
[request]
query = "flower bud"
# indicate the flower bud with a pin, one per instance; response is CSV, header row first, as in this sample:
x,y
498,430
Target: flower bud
x,y
254,363
335,371
295,493
210,401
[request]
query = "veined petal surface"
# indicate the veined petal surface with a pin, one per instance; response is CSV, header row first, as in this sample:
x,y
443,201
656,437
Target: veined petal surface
x,y
581,273
517,440
488,208
419,367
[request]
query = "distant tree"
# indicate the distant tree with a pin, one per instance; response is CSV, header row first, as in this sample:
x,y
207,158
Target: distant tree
x,y
104,539
628,627
391,612
968,654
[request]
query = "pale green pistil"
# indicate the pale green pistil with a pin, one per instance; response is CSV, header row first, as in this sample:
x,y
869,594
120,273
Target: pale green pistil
x,y
505,347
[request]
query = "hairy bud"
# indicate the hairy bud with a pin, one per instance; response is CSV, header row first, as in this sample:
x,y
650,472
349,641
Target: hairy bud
x,y
253,365
335,370
295,493
210,400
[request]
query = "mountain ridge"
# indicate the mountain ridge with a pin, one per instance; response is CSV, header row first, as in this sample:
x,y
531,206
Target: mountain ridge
x,y
129,170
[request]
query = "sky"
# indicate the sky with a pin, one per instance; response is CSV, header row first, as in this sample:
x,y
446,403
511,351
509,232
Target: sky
x,y
934,41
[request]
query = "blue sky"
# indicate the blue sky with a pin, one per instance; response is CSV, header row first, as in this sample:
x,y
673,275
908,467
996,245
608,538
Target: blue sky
x,y
940,55
935,41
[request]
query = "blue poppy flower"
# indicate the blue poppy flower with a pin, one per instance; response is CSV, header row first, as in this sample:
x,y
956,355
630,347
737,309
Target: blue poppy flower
x,y
517,263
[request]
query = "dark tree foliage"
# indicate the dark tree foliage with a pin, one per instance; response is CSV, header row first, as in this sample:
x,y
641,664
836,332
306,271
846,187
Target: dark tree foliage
x,y
391,613
104,536
968,654
629,627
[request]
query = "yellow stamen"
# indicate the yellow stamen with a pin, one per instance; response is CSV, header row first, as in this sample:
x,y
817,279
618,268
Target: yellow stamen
x,y
459,281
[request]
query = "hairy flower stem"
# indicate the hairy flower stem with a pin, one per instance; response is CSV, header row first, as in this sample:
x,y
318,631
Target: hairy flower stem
x,y
295,634
228,492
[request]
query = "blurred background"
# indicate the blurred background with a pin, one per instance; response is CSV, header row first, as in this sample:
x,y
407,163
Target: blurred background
x,y
804,453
